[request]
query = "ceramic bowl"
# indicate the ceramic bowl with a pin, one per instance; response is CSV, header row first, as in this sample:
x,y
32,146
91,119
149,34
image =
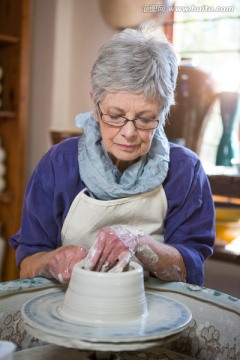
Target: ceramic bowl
x,y
105,297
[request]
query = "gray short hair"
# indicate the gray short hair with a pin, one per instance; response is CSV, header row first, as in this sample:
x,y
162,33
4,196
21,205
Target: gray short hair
x,y
137,61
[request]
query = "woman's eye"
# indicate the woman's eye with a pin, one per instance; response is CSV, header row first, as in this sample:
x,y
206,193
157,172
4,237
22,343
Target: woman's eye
x,y
145,121
114,117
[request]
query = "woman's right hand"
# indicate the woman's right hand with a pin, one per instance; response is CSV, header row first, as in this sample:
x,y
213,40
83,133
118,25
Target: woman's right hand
x,y
57,264
61,264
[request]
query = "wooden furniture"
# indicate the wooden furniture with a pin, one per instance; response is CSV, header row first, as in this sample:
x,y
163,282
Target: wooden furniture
x,y
194,96
14,54
187,122
58,135
227,186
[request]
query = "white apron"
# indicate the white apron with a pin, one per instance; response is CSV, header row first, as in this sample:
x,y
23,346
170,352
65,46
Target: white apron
x,y
87,215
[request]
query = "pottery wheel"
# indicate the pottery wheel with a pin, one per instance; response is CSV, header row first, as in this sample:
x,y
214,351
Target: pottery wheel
x,y
165,321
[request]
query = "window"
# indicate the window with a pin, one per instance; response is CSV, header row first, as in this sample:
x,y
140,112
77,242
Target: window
x,y
207,33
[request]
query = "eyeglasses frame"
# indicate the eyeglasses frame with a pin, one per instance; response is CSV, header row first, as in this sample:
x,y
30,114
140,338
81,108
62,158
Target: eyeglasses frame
x,y
125,122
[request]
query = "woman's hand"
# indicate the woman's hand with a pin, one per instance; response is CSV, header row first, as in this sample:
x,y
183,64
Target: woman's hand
x,y
113,249
115,246
61,264
57,264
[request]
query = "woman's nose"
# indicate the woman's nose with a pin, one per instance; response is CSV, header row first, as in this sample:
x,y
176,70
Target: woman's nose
x,y
129,130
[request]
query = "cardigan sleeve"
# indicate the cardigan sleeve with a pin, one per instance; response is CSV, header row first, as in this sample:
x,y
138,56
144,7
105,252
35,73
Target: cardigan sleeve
x,y
48,197
190,220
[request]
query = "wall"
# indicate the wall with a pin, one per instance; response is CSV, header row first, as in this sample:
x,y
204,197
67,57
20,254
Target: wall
x,y
65,38
41,78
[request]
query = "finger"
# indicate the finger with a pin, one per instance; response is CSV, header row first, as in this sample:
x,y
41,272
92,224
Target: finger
x,y
78,256
60,278
59,268
111,261
108,258
53,268
92,257
65,276
61,265
105,267
103,262
97,254
124,260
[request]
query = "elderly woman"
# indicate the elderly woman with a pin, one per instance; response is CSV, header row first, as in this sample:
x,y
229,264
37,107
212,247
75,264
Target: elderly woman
x,y
121,190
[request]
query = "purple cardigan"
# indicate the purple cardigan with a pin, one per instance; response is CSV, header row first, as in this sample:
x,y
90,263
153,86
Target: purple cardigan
x,y
189,225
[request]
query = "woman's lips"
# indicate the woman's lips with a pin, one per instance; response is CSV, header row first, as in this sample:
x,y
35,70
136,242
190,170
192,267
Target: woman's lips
x,y
127,147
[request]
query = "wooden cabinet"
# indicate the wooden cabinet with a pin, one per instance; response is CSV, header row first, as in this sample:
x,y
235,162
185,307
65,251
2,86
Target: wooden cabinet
x,y
14,60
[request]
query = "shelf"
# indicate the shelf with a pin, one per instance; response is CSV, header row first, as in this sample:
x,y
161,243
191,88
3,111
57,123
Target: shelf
x,y
7,39
7,114
14,60
6,198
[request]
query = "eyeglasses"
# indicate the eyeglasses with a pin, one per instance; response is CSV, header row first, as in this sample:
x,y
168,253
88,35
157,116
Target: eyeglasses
x,y
119,121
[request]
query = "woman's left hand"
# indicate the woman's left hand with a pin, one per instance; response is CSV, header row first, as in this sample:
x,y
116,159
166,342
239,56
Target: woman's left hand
x,y
113,249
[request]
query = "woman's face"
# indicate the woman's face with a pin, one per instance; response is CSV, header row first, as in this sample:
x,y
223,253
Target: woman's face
x,y
126,144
